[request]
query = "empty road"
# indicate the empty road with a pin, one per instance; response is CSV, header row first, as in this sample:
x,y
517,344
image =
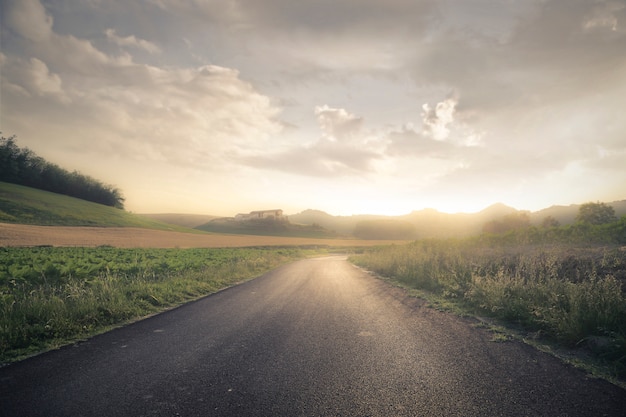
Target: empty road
x,y
317,337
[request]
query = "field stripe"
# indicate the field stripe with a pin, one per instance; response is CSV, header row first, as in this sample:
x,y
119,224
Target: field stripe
x,y
129,237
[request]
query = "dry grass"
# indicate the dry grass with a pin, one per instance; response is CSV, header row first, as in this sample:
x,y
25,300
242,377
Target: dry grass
x,y
128,237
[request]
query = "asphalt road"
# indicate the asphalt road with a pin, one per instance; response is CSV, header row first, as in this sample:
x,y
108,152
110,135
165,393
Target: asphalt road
x,y
317,337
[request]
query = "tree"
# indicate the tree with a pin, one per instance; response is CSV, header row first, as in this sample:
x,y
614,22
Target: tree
x,y
549,222
596,213
9,154
22,166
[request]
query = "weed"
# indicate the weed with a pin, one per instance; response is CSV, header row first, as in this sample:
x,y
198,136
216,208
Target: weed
x,y
570,294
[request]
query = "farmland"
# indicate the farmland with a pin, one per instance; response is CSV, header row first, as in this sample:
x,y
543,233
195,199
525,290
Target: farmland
x,y
49,296
15,235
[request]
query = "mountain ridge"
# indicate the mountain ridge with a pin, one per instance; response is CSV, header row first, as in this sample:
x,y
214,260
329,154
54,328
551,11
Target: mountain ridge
x,y
430,222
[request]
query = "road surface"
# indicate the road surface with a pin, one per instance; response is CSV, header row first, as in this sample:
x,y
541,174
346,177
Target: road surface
x,y
317,337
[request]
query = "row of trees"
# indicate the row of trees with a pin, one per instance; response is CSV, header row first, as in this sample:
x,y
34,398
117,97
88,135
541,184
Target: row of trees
x,y
595,223
22,166
588,213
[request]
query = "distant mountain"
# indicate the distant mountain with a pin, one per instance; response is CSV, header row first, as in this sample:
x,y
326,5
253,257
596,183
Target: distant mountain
x,y
430,223
567,214
342,225
265,227
496,210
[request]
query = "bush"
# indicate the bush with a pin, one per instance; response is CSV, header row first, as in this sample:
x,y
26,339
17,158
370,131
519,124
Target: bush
x,y
571,294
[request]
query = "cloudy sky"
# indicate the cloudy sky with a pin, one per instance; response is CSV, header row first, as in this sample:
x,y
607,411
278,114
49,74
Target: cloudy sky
x,y
347,106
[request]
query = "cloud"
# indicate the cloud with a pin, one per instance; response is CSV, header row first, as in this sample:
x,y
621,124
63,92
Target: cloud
x,y
131,41
343,149
312,39
315,16
320,160
407,142
29,19
338,124
442,134
605,16
436,120
422,92
192,116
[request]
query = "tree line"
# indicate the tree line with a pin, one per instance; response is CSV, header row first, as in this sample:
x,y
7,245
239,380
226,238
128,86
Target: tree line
x,y
22,166
595,223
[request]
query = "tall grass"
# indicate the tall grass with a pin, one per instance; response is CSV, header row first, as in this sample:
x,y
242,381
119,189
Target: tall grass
x,y
51,295
574,295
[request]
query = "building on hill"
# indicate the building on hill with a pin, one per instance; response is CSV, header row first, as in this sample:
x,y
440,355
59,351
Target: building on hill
x,y
276,214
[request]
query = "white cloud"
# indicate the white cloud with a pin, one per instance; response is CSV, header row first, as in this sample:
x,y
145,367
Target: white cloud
x,y
338,124
605,16
41,80
343,149
131,41
193,116
436,120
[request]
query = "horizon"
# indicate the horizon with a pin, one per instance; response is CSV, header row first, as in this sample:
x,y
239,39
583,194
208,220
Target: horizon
x,y
350,106
387,215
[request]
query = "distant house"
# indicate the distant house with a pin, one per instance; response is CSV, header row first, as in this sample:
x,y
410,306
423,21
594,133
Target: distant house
x,y
276,214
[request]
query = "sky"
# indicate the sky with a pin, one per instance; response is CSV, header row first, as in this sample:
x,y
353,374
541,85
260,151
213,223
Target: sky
x,y
346,106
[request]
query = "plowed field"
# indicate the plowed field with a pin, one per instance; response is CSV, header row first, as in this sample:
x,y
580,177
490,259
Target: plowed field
x,y
126,237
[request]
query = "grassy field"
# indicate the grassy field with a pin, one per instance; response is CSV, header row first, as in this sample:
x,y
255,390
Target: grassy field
x,y
26,205
266,227
571,295
52,296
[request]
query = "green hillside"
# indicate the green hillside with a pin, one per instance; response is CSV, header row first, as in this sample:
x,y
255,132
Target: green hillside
x,y
265,227
25,205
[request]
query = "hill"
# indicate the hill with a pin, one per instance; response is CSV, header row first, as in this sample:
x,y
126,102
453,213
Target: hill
x,y
25,205
342,225
430,223
567,214
266,227
180,219
24,167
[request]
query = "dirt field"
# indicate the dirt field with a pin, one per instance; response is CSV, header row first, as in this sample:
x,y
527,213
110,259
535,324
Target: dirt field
x,y
122,237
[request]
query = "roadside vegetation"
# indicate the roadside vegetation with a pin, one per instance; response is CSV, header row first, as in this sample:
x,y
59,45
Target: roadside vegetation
x,y
51,296
560,284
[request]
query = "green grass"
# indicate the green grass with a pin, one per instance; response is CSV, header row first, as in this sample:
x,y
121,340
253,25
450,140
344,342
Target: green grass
x,y
25,205
266,227
52,296
573,296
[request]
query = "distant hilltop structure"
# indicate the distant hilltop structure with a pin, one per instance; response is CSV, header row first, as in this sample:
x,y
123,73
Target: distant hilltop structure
x,y
276,214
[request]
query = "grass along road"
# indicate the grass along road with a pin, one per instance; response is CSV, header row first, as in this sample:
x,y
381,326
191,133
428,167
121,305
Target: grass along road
x,y
52,296
313,337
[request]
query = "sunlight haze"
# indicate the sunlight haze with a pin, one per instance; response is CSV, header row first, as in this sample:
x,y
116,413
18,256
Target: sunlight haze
x,y
346,106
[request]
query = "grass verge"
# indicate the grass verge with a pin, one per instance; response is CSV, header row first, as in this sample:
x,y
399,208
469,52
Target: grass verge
x,y
53,296
565,297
